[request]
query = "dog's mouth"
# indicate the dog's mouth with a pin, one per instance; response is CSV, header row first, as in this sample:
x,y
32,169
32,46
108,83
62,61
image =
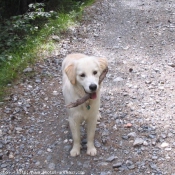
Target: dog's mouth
x,y
93,95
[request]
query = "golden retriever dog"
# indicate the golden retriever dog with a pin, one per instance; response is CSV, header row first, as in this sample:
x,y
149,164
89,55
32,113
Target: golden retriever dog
x,y
81,76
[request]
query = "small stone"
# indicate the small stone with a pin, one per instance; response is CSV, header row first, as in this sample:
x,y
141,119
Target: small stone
x,y
97,144
86,164
153,143
67,147
152,136
18,129
117,165
125,137
164,144
148,82
4,165
96,34
154,157
1,145
1,103
38,80
40,152
128,125
132,134
167,149
11,156
111,158
49,150
163,136
171,64
49,157
118,79
130,165
37,163
103,173
28,69
55,93
51,166
145,143
153,166
138,142
56,38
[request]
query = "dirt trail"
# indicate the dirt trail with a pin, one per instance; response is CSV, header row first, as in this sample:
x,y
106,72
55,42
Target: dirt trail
x,y
136,135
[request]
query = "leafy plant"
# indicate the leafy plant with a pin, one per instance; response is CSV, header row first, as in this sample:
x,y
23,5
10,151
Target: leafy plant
x,y
23,36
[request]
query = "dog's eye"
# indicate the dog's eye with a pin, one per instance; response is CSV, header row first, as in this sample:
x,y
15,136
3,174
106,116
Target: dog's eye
x,y
82,75
95,72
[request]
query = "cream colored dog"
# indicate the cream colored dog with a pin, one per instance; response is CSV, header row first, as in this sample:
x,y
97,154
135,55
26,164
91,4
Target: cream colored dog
x,y
80,76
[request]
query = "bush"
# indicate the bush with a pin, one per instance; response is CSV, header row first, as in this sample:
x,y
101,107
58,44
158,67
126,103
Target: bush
x,y
14,31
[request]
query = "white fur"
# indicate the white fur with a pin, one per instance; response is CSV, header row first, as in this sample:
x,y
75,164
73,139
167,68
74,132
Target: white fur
x,y
75,87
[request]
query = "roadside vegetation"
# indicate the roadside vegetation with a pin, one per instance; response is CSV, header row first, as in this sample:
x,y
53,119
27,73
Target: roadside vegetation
x,y
22,36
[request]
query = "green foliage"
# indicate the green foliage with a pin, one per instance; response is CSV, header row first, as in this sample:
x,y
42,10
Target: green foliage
x,y
15,31
23,36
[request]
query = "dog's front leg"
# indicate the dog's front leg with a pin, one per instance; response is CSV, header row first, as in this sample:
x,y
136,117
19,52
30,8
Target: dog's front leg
x,y
91,126
75,129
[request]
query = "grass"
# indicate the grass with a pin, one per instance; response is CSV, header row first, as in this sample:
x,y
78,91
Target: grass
x,y
26,53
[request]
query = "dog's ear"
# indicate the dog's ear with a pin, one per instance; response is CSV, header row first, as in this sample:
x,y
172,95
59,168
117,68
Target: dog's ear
x,y
70,72
103,63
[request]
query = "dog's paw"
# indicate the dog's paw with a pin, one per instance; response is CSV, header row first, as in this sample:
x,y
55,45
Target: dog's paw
x,y
75,152
92,151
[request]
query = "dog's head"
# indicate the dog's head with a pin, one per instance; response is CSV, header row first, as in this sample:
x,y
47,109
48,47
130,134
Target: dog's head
x,y
86,72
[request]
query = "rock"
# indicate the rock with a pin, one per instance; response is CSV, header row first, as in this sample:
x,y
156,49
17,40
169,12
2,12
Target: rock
x,y
118,79
163,136
51,166
103,173
138,142
97,144
154,157
111,158
132,134
164,144
4,165
125,137
49,150
171,64
49,157
128,125
67,147
145,143
55,93
38,80
130,165
1,103
86,164
37,163
117,165
40,152
153,166
56,38
11,156
18,129
1,145
28,69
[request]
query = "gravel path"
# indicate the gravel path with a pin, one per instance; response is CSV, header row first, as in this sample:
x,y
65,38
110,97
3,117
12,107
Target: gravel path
x,y
136,135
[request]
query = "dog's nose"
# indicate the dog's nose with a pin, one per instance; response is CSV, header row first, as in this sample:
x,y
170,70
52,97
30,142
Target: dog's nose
x,y
93,87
